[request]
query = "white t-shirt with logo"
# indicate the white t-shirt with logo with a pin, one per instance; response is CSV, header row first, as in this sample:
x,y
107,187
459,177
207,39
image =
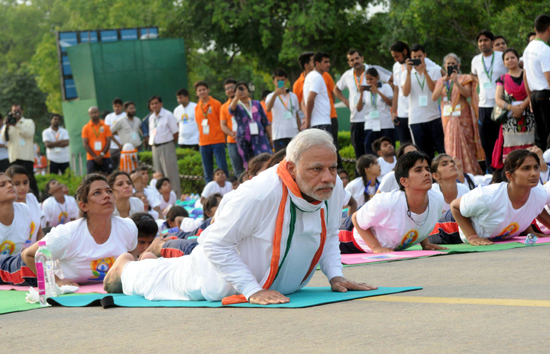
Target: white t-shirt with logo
x,y
284,115
379,110
14,236
389,183
56,213
36,215
492,214
82,260
136,206
487,83
422,109
461,189
357,190
386,216
350,81
57,154
320,115
188,130
399,77
536,62
213,187
110,119
385,167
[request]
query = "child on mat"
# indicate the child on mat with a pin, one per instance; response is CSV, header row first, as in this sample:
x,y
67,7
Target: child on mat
x,y
172,221
503,210
445,173
167,195
146,206
364,187
234,181
58,209
218,185
383,148
140,179
389,183
125,203
147,231
400,219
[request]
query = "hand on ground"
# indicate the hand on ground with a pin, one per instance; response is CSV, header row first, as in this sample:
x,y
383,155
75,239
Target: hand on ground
x,y
342,285
433,247
382,250
61,282
268,297
478,241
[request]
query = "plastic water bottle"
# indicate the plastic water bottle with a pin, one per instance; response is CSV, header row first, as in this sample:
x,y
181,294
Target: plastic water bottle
x,y
531,239
44,272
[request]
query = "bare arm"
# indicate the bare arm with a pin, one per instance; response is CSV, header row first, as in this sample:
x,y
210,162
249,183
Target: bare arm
x,y
466,226
88,148
395,101
309,108
498,97
352,206
341,96
226,130
369,238
544,218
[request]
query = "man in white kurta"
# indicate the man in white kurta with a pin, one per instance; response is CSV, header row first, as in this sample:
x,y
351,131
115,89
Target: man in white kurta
x,y
267,241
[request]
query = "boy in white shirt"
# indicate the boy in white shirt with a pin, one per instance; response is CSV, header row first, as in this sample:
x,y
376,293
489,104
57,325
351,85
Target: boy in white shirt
x,y
536,62
56,140
383,148
110,119
185,115
400,219
58,209
218,185
316,100
389,183
424,114
285,107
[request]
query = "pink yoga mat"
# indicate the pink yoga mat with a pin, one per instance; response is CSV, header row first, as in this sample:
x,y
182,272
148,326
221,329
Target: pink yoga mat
x,y
358,258
84,289
521,239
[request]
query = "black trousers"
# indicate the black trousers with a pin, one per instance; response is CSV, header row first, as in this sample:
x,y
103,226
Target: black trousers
x,y
403,131
358,138
29,166
488,131
540,101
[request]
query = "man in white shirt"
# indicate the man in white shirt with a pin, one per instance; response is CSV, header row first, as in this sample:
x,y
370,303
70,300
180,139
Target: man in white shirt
x,y
239,258
424,114
284,106
111,119
536,62
487,67
163,135
185,115
316,100
18,133
56,140
352,79
128,128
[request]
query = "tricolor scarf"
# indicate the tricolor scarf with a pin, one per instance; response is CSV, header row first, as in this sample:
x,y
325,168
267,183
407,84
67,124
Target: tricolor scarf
x,y
297,201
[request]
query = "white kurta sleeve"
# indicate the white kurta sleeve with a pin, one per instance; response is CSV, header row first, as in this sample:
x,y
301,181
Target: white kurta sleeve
x,y
330,262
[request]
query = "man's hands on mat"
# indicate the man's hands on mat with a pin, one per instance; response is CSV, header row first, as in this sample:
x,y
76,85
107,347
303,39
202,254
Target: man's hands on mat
x,y
61,282
268,297
478,241
382,250
433,247
342,285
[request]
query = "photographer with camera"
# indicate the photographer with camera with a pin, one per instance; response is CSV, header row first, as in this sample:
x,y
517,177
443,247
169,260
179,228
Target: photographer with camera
x,y
458,117
18,133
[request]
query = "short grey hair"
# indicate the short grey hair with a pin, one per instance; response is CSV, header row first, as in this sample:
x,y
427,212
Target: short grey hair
x,y
306,140
451,55
93,107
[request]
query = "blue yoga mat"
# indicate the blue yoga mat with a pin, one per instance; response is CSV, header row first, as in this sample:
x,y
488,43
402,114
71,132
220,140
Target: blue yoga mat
x,y
304,298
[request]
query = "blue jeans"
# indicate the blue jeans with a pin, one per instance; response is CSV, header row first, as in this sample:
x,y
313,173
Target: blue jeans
x,y
371,136
208,152
236,159
429,137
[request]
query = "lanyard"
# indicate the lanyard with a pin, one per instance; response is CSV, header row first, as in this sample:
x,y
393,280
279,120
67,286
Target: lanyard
x,y
357,84
373,100
95,132
449,90
375,187
204,111
489,73
248,111
286,105
423,81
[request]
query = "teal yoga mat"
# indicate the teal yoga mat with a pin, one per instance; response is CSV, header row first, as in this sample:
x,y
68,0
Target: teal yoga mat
x,y
306,297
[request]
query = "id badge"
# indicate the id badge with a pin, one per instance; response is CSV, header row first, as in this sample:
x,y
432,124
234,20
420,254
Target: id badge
x,y
21,142
447,110
134,136
374,115
287,115
487,85
234,125
98,146
206,129
445,99
204,122
423,101
57,149
253,128
376,125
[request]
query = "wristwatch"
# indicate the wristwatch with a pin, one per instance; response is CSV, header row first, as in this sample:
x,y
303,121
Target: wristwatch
x,y
102,154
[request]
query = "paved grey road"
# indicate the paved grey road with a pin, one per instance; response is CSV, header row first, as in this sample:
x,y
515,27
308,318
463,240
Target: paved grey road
x,y
355,326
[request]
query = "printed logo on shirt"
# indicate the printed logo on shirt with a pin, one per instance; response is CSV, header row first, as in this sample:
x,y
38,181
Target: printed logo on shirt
x,y
100,267
410,238
101,129
507,232
7,248
63,217
185,118
33,227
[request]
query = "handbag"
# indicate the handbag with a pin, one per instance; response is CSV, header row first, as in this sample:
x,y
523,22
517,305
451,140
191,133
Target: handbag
x,y
499,114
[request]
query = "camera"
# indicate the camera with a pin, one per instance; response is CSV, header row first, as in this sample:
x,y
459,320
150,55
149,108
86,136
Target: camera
x,y
11,118
366,87
451,69
416,62
241,88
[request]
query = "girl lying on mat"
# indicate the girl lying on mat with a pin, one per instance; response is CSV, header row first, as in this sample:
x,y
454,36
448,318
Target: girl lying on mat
x,y
86,248
399,219
501,211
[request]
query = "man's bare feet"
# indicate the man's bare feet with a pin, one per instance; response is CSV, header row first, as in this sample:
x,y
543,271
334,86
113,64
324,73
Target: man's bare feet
x,y
147,255
112,282
156,246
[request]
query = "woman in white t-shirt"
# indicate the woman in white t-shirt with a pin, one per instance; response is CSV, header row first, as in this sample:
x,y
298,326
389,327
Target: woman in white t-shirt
x,y
399,219
388,182
365,186
86,248
376,99
20,179
218,185
503,210
125,205
58,209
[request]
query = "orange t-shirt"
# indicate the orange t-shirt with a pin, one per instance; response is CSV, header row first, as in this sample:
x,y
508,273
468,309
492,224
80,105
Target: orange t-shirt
x,y
210,111
298,87
330,87
225,115
97,135
268,114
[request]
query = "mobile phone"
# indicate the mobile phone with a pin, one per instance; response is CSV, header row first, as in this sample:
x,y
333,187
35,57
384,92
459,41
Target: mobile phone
x,y
366,87
416,62
451,69
280,83
241,88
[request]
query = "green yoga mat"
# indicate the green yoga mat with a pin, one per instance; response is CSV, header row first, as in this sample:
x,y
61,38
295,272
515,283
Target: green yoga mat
x,y
14,301
304,298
